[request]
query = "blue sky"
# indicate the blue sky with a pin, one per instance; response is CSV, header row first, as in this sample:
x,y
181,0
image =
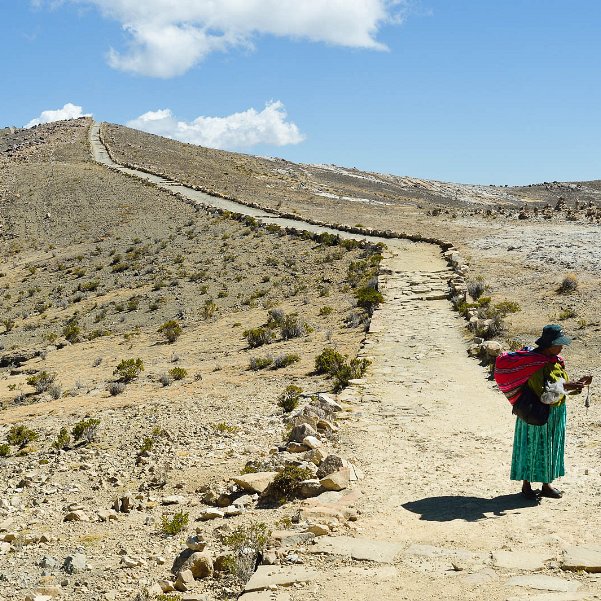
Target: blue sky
x,y
473,91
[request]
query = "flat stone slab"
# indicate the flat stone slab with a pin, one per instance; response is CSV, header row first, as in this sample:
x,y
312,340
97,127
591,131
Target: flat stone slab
x,y
544,583
256,482
586,558
520,560
362,549
267,576
553,597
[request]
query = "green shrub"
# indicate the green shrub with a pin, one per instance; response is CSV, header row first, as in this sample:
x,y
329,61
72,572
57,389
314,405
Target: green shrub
x,y
4,450
8,324
288,400
294,327
20,436
209,309
90,286
178,373
329,361
63,440
72,331
86,430
505,308
258,363
129,369
285,360
225,428
324,311
171,330
246,544
356,368
286,485
258,336
175,524
41,381
566,313
368,298
476,287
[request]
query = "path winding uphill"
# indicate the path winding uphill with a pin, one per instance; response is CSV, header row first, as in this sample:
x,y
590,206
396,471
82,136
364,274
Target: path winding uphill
x,y
438,517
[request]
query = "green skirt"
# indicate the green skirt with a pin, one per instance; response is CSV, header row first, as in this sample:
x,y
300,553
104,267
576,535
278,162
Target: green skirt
x,y
538,450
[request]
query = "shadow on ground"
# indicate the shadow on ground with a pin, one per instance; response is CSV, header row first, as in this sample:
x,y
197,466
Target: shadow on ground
x,y
470,509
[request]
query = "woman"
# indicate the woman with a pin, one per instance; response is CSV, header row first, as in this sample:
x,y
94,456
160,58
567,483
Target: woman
x,y
538,450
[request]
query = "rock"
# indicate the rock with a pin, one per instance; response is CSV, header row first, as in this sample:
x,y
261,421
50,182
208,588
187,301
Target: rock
x,y
544,583
9,537
269,595
585,557
330,464
75,564
173,500
184,580
315,456
296,447
298,433
362,549
520,560
36,597
257,482
291,538
199,562
211,514
492,348
76,516
311,442
105,515
338,480
131,562
48,562
49,590
233,510
267,577
124,504
196,543
155,590
319,529
166,586
195,597
327,403
4,548
310,488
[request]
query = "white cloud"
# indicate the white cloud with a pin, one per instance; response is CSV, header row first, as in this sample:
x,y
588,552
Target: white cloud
x,y
240,130
167,38
69,111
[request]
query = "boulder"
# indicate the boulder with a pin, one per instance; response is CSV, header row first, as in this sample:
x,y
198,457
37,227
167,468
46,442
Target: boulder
x,y
255,483
338,480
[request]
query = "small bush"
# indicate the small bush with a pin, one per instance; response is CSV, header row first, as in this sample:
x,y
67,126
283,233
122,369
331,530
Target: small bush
x,y
568,284
63,440
355,369
324,311
86,430
288,400
225,428
285,360
258,363
8,324
286,485
20,436
90,286
505,308
4,450
566,313
41,381
476,287
178,373
329,361
116,388
175,524
72,332
293,327
368,298
129,369
171,330
166,380
247,543
258,336
275,317
55,391
209,309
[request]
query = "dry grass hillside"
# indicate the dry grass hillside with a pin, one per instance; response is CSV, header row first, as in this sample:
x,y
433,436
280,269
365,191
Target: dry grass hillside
x,y
94,266
523,241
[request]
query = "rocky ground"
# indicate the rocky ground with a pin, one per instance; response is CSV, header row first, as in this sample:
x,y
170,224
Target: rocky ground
x,y
405,484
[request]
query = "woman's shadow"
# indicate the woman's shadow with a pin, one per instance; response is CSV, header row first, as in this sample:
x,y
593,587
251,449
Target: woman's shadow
x,y
470,509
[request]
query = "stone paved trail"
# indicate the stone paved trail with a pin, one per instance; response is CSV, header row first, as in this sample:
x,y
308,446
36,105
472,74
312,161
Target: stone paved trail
x,y
439,518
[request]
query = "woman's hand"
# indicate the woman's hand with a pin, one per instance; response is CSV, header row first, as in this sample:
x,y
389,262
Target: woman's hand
x,y
578,385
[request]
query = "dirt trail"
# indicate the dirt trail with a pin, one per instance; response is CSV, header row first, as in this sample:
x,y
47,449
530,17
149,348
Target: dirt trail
x,y
433,439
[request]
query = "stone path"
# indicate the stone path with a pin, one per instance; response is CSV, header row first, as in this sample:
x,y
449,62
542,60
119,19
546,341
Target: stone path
x,y
438,515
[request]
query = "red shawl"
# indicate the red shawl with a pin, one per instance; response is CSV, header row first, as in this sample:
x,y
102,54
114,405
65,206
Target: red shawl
x,y
513,370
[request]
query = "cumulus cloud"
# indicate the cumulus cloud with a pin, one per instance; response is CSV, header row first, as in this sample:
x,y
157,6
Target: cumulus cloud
x,y
240,130
69,111
167,38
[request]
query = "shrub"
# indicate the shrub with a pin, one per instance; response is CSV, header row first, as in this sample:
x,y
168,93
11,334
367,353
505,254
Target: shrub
x,y
41,381
355,369
72,331
8,324
171,330
225,428
258,336
275,317
175,524
247,544
286,485
293,327
147,445
329,361
20,436
90,286
129,369
505,308
165,379
209,309
178,373
368,298
4,450
285,360
476,287
326,311
115,388
55,391
63,440
568,284
86,430
566,313
288,400
357,318
257,363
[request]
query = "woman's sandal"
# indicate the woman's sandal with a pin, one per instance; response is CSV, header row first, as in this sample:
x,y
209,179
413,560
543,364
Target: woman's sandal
x,y
530,494
551,493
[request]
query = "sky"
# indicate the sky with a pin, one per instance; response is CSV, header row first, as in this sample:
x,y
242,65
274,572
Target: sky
x,y
471,91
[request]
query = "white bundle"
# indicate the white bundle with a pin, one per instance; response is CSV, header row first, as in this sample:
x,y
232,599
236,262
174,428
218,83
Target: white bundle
x,y
553,392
